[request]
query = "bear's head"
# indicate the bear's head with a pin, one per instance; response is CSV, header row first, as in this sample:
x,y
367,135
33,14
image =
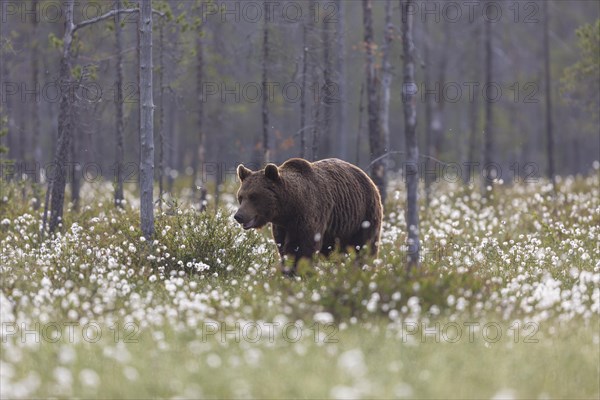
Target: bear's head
x,y
257,196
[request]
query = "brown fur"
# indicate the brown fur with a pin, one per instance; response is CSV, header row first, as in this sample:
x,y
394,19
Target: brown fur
x,y
312,206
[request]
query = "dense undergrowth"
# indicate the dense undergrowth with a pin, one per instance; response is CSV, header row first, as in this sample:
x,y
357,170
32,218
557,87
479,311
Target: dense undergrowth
x,y
522,266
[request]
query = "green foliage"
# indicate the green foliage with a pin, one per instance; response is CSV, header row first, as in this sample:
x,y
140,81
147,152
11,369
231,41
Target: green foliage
x,y
581,81
54,41
165,8
84,73
208,243
76,72
92,71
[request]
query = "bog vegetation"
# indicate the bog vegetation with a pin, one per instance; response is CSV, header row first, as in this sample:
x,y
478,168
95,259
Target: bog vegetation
x,y
506,302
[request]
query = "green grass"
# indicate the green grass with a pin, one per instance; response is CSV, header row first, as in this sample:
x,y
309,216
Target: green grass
x,y
365,361
178,315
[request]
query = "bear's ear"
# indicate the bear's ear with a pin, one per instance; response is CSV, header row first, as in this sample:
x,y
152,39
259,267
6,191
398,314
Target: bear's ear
x,y
243,172
272,172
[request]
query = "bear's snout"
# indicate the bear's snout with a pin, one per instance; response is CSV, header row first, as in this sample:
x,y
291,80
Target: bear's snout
x,y
245,221
238,217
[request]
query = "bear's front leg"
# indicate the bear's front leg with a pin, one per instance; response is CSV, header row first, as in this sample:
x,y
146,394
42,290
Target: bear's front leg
x,y
279,234
298,246
284,248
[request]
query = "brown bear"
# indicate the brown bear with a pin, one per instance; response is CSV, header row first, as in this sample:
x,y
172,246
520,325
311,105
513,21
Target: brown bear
x,y
311,206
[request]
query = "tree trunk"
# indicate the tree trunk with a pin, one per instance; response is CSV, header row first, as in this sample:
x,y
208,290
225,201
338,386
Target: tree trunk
x,y
342,106
316,129
199,155
548,79
361,110
119,152
75,167
386,81
375,140
487,179
45,214
410,122
314,79
23,156
146,120
328,97
161,114
64,124
303,126
265,97
429,166
35,115
172,135
174,148
3,75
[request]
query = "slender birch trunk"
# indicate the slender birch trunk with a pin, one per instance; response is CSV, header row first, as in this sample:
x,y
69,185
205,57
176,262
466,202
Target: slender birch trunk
x,y
64,124
265,97
410,124
548,87
375,139
342,106
487,179
328,97
119,152
146,120
303,126
386,81
200,153
161,114
37,109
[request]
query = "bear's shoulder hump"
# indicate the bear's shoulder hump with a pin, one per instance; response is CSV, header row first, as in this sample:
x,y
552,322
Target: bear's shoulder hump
x,y
297,164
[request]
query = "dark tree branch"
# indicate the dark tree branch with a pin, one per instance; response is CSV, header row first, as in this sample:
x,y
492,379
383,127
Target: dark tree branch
x,y
110,14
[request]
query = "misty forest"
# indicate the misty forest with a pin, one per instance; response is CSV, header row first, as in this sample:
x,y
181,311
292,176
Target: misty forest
x,y
125,274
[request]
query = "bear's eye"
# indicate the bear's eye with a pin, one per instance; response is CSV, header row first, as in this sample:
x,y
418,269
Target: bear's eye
x,y
240,199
